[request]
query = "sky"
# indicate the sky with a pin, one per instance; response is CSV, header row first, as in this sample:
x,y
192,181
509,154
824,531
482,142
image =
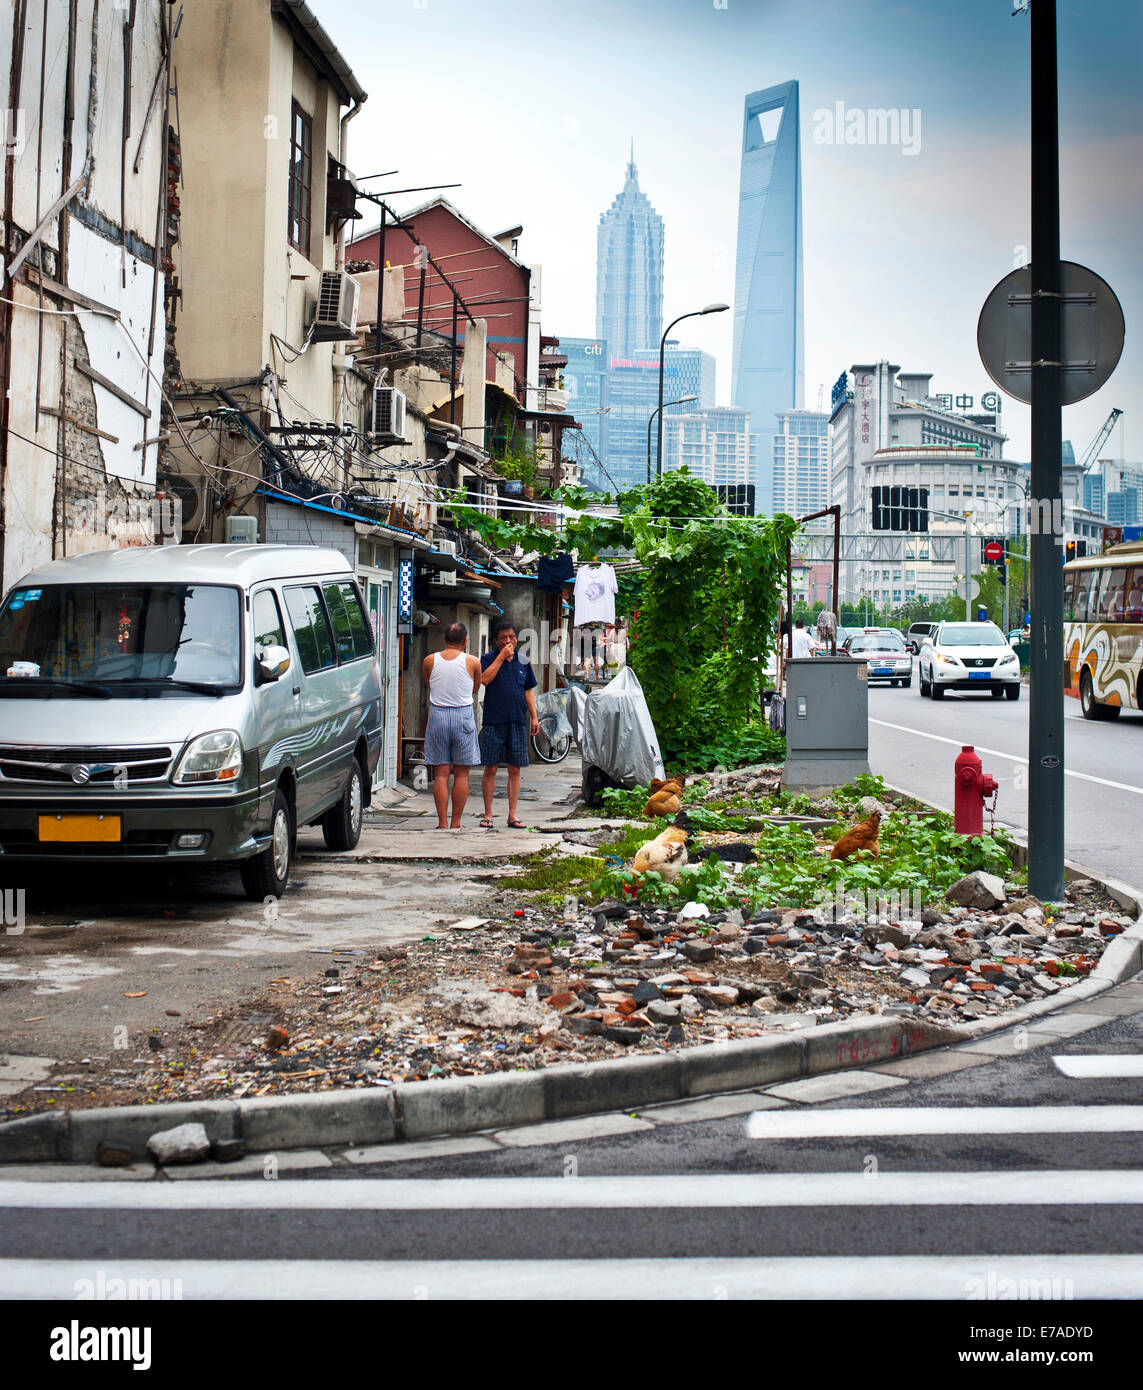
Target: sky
x,y
531,106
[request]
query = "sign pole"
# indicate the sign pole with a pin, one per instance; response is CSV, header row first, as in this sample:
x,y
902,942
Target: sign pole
x,y
1046,689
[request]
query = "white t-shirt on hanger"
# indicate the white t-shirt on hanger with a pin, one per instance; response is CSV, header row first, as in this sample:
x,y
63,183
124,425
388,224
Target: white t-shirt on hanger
x,y
595,590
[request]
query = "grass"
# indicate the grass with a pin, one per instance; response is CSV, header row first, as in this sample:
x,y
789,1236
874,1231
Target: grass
x,y
551,877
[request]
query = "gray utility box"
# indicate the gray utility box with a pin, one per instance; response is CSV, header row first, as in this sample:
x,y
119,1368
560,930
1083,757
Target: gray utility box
x,y
827,722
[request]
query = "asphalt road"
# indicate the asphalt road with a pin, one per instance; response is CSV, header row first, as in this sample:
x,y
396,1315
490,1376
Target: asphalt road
x,y
951,1170
913,743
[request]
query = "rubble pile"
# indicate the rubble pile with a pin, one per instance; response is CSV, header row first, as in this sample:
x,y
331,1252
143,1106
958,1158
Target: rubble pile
x,y
546,985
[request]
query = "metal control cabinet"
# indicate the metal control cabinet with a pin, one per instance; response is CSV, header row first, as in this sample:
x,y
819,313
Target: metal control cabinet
x,y
827,722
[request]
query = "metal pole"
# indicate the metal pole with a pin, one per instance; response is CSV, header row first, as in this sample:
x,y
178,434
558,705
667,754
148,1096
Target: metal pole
x,y
1046,688
836,576
967,543
421,304
650,422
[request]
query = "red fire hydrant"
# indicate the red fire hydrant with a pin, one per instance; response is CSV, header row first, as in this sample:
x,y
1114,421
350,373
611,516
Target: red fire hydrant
x,y
972,785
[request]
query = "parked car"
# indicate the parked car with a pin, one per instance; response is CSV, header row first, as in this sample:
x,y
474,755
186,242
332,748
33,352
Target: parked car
x,y
884,653
968,656
175,704
917,633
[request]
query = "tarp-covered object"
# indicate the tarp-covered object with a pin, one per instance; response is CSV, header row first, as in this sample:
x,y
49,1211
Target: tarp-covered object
x,y
615,731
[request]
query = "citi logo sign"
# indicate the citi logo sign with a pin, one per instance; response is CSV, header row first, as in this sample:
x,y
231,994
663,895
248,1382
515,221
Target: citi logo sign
x,y
593,350
877,126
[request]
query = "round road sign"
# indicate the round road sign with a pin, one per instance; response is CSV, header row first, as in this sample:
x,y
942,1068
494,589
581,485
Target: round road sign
x,y
993,551
1091,333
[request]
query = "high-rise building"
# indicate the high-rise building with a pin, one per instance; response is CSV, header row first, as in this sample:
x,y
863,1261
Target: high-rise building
x,y
714,444
768,371
801,462
585,380
633,395
629,271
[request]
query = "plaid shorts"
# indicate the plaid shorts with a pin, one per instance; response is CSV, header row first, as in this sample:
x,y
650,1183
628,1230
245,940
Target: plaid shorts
x,y
450,736
504,743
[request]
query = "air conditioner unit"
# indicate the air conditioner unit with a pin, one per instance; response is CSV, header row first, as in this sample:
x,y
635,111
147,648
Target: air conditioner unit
x,y
191,494
388,415
447,548
336,318
446,577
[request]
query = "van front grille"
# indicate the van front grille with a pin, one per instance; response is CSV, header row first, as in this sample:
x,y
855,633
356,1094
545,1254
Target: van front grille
x,y
83,765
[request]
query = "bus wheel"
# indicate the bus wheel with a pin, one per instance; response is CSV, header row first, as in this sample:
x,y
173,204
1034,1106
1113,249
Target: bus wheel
x,y
1089,705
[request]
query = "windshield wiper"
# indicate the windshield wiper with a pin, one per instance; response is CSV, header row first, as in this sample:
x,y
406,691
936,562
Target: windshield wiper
x,y
89,688
173,683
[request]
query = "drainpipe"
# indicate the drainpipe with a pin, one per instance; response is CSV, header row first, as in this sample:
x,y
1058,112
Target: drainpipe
x,y
339,254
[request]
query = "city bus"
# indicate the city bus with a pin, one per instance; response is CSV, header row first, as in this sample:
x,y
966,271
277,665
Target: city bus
x,y
1103,631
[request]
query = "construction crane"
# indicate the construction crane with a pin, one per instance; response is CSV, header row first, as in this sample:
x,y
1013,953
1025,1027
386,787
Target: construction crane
x,y
1091,456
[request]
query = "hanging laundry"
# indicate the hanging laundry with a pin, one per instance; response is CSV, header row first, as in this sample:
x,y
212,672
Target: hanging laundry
x,y
595,590
553,572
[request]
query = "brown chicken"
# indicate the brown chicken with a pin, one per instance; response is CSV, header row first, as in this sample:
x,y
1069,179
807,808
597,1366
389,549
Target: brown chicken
x,y
666,798
665,854
863,836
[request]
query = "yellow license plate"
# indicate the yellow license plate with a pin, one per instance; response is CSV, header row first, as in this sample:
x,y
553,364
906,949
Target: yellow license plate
x,y
80,829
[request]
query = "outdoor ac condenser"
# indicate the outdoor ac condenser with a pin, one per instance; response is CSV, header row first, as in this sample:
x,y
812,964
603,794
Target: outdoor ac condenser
x,y
336,318
388,415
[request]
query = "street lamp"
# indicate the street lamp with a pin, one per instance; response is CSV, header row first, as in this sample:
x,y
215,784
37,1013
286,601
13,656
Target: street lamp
x,y
681,401
694,314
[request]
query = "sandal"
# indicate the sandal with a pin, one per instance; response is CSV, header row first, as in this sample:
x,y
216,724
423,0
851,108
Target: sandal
x,y
486,823
517,825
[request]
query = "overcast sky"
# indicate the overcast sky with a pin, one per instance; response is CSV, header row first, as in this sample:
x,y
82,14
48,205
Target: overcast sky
x,y
531,105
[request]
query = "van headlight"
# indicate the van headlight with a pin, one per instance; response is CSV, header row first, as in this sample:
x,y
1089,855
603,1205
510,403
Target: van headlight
x,y
214,757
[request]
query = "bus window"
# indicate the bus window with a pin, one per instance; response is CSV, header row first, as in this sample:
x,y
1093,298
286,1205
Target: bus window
x,y
1070,598
1111,596
1083,588
1134,612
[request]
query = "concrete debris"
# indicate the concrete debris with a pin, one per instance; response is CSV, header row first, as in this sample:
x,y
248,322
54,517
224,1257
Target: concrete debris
x,y
183,1144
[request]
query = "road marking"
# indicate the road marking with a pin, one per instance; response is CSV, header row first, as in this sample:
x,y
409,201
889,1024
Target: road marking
x,y
841,1277
851,1189
1112,1064
1013,757
1000,1119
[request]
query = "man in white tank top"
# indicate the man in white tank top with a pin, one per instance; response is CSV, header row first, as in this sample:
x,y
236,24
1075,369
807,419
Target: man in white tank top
x,y
453,679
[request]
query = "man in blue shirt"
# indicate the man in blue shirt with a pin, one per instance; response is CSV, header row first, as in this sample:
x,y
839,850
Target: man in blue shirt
x,y
509,712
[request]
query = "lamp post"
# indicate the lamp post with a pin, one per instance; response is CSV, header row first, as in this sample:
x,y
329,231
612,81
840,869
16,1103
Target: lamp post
x,y
694,314
681,401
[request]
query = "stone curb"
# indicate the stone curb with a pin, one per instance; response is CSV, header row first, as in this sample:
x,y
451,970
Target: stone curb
x,y
463,1105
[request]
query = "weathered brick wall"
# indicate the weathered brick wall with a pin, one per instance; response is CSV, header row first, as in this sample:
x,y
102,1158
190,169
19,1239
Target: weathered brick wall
x,y
288,524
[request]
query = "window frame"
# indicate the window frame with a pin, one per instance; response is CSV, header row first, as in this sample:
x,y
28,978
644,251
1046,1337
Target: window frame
x,y
299,185
362,610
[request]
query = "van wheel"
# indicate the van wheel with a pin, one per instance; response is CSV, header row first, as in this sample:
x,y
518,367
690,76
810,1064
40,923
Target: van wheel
x,y
341,824
265,875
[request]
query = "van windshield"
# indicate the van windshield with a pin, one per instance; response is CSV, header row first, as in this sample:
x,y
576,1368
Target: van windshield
x,y
133,636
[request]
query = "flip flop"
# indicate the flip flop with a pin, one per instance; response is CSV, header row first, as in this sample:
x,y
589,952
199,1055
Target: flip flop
x,y
517,825
486,823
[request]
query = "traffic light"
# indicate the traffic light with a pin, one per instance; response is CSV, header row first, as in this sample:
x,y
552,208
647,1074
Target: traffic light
x,y
901,509
1069,551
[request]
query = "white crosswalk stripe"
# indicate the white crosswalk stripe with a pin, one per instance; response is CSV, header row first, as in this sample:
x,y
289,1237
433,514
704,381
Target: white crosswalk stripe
x,y
1013,1119
1110,1065
853,1278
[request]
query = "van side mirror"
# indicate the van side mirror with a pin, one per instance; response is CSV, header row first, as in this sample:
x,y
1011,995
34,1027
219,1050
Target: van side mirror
x,y
271,662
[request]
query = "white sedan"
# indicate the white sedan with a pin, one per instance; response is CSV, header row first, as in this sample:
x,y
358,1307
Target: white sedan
x,y
968,656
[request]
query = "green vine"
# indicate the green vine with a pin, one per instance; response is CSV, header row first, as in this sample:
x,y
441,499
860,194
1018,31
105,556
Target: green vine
x,y
707,603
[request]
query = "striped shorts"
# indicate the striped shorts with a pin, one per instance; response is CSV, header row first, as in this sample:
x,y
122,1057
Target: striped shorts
x,y
450,736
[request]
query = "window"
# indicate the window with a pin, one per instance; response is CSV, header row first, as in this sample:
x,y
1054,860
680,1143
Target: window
x,y
1111,596
351,628
311,628
1070,598
1083,588
268,631
301,178
1134,613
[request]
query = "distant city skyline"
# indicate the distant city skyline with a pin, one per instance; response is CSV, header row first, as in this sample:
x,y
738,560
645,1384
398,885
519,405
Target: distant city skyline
x,y
902,242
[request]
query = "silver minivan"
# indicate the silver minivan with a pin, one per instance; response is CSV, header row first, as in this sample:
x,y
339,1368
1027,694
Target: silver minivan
x,y
166,704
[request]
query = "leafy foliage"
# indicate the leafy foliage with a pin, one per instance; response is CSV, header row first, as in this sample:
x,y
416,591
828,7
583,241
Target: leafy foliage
x,y
707,598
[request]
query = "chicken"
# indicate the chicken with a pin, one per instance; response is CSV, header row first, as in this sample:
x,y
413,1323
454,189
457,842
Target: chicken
x,y
863,836
665,854
666,798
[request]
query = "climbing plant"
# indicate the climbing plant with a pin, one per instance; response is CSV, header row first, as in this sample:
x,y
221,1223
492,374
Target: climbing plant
x,y
709,595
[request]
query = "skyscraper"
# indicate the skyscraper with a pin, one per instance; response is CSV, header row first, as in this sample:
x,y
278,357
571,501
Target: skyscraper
x,y
801,462
768,371
629,271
